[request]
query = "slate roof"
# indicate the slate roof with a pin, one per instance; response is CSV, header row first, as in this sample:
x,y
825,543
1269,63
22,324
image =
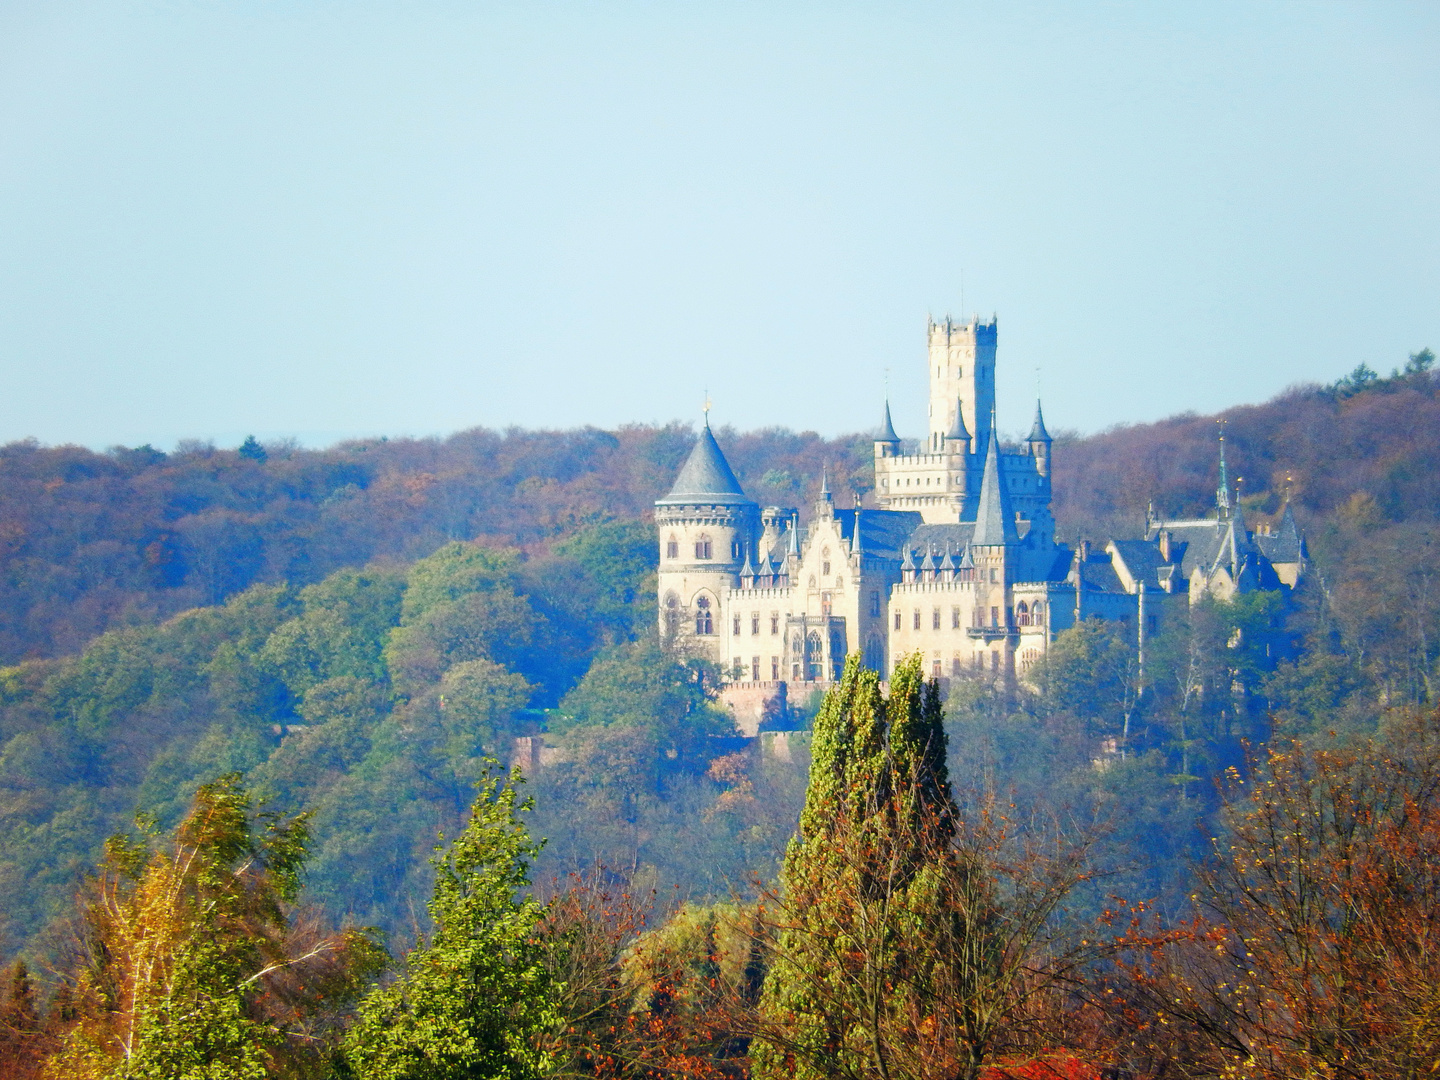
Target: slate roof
x,y
887,430
706,478
1142,559
957,429
882,532
1037,429
1097,574
994,520
1287,545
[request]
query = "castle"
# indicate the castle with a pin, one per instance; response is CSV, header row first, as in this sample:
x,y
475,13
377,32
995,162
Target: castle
x,y
958,560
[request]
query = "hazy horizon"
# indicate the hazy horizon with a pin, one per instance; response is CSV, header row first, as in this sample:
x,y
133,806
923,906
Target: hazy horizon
x,y
327,222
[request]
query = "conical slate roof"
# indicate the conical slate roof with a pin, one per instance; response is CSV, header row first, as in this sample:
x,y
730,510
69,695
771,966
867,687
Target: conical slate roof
x,y
1037,429
706,478
994,520
957,429
887,430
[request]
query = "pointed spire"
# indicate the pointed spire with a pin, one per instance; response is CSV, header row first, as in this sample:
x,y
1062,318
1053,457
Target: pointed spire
x,y
927,564
1037,429
994,520
855,531
908,562
887,430
966,561
957,429
748,570
947,564
795,534
1222,493
825,482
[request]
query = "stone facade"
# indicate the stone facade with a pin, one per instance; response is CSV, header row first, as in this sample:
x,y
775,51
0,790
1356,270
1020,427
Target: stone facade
x,y
958,561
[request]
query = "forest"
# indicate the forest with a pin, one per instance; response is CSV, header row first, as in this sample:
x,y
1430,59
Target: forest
x,y
256,820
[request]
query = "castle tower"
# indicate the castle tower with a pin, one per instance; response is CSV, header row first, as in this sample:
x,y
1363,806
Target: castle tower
x,y
962,379
707,526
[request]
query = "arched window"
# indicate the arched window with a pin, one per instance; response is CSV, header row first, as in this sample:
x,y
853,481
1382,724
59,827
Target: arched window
x,y
825,564
702,547
672,547
1037,610
1022,614
704,617
814,656
875,653
672,614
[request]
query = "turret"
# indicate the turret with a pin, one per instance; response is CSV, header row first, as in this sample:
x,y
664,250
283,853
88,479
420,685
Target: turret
x,y
1039,441
957,439
707,526
887,443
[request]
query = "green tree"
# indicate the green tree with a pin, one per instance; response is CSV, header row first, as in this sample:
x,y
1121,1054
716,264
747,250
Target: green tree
x,y
874,831
473,1001
341,631
478,702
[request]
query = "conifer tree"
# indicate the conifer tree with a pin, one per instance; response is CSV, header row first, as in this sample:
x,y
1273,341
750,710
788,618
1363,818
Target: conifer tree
x,y
859,879
475,1000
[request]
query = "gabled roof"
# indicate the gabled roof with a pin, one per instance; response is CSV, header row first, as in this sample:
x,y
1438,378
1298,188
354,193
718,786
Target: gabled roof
x,y
994,520
706,478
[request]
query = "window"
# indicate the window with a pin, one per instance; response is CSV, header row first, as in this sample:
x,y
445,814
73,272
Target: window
x,y
994,574
824,603
754,669
917,618
672,548
1022,614
672,614
957,665
935,619
897,620
994,616
774,669
737,550
702,547
704,617
754,624
737,625
825,568
1037,609
874,605
994,661
935,669
774,622
979,661
955,618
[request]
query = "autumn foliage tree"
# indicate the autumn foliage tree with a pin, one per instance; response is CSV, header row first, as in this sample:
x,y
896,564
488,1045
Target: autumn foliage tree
x,y
1317,951
190,963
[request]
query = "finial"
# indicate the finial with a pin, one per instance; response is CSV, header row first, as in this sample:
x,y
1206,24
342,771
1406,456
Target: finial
x,y
706,408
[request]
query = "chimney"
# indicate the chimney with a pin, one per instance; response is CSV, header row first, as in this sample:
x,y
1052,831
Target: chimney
x,y
1165,544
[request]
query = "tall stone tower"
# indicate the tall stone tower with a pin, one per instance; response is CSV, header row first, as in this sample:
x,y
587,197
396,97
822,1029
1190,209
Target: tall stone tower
x,y
706,524
962,380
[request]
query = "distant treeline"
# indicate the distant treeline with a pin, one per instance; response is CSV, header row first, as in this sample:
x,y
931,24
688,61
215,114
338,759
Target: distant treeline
x,y
91,541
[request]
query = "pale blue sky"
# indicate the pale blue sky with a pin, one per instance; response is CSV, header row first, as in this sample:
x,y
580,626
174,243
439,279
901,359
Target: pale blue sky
x,y
333,219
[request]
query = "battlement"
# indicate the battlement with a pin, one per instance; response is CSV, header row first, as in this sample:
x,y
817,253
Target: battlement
x,y
974,332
